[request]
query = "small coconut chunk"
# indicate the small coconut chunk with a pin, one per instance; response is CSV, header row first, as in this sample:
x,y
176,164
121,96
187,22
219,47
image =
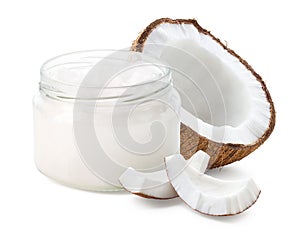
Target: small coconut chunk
x,y
153,185
207,194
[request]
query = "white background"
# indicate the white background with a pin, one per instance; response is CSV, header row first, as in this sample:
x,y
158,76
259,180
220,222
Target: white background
x,y
265,33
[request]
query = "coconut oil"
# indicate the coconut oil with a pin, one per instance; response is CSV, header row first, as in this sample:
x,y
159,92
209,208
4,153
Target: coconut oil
x,y
96,116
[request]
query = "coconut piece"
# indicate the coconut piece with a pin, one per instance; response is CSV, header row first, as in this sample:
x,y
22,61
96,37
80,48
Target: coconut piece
x,y
227,110
207,194
153,185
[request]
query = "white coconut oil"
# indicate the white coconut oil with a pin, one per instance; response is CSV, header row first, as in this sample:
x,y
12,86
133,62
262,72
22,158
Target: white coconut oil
x,y
95,117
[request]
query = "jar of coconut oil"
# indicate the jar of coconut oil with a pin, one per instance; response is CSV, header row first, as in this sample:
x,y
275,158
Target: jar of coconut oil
x,y
100,112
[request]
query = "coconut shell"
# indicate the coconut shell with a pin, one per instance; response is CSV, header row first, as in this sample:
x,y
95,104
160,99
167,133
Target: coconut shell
x,y
190,141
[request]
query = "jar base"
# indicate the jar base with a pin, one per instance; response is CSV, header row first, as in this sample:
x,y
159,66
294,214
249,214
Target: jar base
x,y
81,187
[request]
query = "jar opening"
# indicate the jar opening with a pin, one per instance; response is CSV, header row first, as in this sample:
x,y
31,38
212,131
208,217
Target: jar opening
x,y
103,75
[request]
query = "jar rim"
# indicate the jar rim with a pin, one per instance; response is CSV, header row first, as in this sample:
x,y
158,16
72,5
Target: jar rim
x,y
81,62
44,67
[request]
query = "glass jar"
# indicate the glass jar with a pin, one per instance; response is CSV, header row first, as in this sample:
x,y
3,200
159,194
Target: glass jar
x,y
99,112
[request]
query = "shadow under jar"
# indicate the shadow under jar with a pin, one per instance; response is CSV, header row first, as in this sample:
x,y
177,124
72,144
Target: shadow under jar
x,y
99,112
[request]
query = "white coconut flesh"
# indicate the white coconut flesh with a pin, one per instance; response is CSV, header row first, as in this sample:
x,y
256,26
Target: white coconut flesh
x,y
148,184
221,98
207,194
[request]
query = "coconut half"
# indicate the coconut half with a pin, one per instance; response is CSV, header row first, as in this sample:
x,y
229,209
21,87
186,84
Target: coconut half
x,y
153,185
227,110
207,194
